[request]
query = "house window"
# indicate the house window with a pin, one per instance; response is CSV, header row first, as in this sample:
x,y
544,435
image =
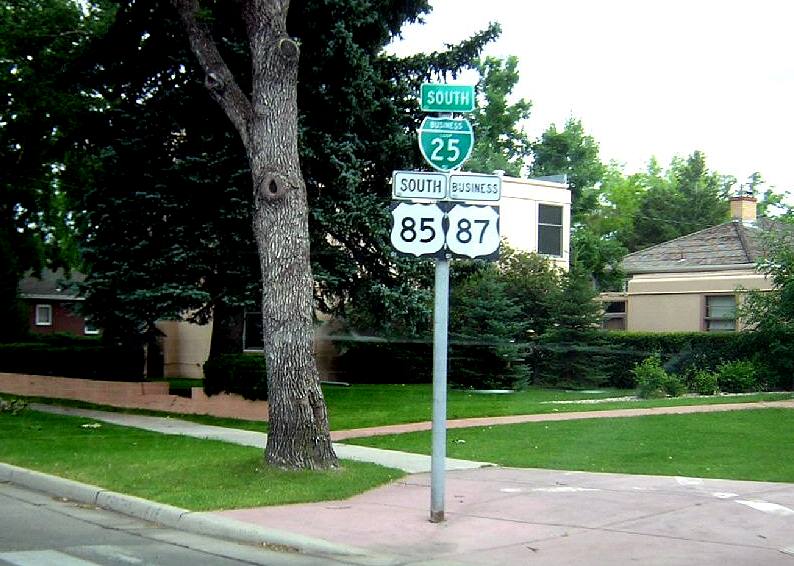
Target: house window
x,y
43,315
720,313
90,329
550,230
253,338
614,317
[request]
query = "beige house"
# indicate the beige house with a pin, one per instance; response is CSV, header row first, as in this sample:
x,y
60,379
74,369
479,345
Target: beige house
x,y
692,283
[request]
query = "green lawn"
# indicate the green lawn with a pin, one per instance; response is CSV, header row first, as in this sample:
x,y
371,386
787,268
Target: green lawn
x,y
362,406
186,472
751,445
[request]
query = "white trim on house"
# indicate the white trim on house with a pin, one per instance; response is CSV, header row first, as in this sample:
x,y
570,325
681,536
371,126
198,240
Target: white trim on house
x,y
59,298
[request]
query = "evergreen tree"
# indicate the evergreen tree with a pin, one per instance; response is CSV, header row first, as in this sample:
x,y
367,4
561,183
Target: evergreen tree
x,y
167,197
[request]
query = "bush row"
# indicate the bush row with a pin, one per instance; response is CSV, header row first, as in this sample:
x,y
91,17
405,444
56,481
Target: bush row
x,y
583,359
85,359
566,359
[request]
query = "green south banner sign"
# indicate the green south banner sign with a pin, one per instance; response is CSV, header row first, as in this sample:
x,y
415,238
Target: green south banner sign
x,y
446,143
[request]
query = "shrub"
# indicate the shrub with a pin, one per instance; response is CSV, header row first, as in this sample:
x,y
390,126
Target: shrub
x,y
13,406
773,353
241,374
607,358
651,378
488,366
704,382
673,385
573,359
381,361
738,377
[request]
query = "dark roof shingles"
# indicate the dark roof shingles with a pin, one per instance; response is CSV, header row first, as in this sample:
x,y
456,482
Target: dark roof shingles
x,y
731,243
50,284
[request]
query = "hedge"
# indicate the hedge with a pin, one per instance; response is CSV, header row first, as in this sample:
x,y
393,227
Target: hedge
x,y
241,374
380,361
78,358
608,357
562,359
566,359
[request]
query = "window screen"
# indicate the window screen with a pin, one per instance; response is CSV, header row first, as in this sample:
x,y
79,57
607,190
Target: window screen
x,y
550,230
253,338
43,315
721,313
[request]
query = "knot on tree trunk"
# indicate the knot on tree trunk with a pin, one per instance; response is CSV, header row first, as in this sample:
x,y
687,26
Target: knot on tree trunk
x,y
273,187
214,82
287,48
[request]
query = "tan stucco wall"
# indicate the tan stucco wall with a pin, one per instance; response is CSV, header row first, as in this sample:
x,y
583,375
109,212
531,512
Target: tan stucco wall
x,y
670,302
663,313
186,347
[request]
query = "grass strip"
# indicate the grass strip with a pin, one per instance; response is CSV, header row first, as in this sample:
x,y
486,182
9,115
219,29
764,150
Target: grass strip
x,y
256,426
745,445
194,474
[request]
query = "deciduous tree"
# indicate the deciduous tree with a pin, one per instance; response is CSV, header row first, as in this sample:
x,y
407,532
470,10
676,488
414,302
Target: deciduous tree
x,y
574,153
500,140
266,119
40,41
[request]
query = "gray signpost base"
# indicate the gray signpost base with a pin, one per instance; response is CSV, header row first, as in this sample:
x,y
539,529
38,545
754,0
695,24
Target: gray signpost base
x,y
439,454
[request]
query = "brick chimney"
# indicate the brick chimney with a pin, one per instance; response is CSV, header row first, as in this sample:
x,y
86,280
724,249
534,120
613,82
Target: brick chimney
x,y
743,208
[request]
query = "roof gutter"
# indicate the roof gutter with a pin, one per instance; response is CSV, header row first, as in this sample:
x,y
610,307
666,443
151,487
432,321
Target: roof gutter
x,y
692,269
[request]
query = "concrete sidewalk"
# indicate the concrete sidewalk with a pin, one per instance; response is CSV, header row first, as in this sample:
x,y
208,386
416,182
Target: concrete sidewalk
x,y
495,515
405,461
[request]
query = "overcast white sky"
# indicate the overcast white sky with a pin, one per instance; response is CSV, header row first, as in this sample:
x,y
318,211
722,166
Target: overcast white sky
x,y
647,78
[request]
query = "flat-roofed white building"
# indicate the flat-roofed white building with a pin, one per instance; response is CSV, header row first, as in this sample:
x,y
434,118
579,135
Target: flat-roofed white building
x,y
535,216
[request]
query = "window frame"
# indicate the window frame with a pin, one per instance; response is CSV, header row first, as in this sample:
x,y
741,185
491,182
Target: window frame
x,y
39,308
559,226
607,316
246,346
89,329
707,319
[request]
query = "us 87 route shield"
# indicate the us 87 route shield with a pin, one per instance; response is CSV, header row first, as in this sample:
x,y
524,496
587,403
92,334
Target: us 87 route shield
x,y
474,231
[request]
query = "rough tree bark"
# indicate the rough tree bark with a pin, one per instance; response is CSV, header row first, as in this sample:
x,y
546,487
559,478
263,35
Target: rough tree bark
x,y
267,123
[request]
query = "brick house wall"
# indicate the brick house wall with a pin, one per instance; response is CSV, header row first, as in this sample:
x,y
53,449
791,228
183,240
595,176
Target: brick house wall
x,y
63,318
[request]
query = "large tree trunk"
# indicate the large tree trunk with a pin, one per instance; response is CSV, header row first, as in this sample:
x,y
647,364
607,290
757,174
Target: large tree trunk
x,y
298,434
267,123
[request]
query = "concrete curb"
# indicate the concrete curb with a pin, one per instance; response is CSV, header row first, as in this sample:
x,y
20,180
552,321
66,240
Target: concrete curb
x,y
170,516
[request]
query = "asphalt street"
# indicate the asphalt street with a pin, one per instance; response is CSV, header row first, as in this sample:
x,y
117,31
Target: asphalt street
x,y
37,529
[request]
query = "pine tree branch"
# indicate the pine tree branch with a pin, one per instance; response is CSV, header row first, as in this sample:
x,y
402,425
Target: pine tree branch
x,y
219,79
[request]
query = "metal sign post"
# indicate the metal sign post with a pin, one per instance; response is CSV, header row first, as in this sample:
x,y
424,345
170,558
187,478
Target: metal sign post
x,y
443,230
440,336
